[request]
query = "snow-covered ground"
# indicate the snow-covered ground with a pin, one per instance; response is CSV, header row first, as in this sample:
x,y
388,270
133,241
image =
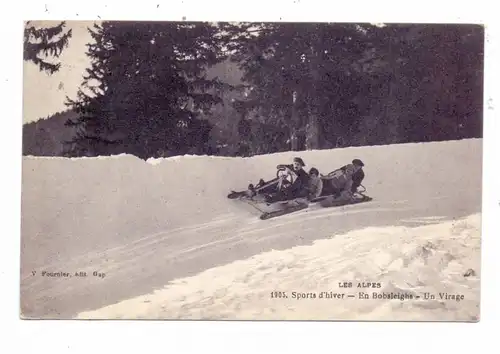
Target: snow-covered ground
x,y
165,242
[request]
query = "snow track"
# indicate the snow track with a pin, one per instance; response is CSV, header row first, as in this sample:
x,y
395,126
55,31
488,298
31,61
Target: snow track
x,y
148,224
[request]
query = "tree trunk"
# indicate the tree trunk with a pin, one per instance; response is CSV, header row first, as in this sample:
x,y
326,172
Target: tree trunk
x,y
392,105
294,139
312,133
312,127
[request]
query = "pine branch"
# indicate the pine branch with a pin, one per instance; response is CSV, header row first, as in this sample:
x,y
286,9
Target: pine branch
x,y
45,43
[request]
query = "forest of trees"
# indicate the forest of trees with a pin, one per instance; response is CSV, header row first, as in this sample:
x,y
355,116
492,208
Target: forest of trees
x,y
167,88
46,137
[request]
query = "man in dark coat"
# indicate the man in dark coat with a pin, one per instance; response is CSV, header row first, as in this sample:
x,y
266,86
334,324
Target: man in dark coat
x,y
346,180
299,188
358,176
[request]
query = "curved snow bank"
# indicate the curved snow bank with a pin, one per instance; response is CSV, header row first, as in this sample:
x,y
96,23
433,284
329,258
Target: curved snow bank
x,y
145,224
441,258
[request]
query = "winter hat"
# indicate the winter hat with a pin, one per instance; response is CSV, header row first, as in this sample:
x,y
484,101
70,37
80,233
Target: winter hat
x,y
358,162
300,161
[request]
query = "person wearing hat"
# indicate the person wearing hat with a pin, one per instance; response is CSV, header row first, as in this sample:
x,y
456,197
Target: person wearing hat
x,y
297,164
299,185
346,180
358,175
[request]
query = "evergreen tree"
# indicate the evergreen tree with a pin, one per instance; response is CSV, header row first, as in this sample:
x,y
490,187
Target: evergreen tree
x,y
146,89
43,44
299,76
426,81
358,83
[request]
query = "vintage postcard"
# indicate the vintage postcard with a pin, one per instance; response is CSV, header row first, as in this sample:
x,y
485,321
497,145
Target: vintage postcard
x,y
252,171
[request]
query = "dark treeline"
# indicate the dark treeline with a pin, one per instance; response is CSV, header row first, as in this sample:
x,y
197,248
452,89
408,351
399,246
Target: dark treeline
x,y
46,137
165,88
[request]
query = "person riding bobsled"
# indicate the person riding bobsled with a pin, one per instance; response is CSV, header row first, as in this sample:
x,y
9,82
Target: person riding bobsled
x,y
293,184
358,175
315,184
344,182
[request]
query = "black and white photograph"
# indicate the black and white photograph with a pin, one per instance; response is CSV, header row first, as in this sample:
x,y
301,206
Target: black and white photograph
x,y
298,171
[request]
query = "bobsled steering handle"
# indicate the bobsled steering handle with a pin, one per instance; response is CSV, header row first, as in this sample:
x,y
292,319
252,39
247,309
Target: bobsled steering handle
x,y
284,168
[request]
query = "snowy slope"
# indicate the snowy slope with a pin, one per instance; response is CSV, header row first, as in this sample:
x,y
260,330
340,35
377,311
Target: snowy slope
x,y
146,224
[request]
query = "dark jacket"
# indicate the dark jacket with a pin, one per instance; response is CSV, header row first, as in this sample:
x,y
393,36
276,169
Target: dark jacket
x,y
302,180
301,183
